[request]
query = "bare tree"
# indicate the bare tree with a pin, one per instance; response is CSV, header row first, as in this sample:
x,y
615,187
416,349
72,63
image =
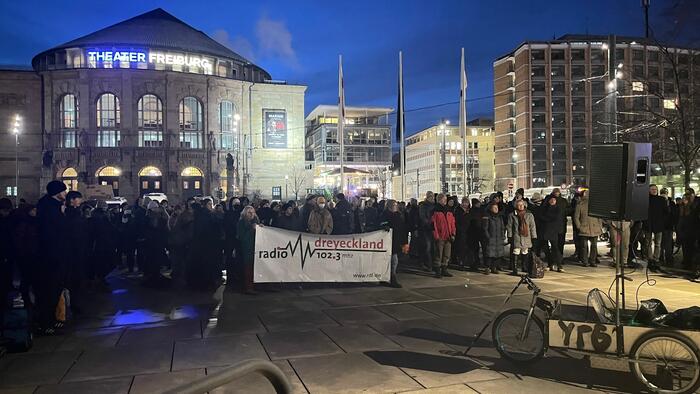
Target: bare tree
x,y
665,111
383,175
297,180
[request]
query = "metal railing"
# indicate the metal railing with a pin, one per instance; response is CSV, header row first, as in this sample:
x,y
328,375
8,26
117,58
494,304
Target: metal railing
x,y
266,368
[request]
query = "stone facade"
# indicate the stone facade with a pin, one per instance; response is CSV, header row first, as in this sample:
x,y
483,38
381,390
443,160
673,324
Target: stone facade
x,y
41,125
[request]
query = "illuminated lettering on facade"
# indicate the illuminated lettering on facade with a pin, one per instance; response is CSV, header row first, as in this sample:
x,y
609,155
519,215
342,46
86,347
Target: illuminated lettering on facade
x,y
100,58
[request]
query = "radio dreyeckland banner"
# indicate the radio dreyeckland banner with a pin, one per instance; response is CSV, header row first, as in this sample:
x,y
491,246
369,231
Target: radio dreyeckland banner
x,y
289,256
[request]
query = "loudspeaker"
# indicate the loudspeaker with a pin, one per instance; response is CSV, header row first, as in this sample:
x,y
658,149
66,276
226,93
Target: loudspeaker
x,y
619,181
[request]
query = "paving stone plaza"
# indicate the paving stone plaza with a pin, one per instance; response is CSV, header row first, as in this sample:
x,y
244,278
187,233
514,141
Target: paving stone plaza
x,y
335,339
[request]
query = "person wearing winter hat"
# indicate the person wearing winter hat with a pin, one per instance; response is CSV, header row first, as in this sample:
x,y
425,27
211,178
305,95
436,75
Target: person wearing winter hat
x,y
52,241
320,219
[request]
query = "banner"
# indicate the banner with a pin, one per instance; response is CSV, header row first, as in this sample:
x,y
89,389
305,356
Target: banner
x,y
289,256
275,129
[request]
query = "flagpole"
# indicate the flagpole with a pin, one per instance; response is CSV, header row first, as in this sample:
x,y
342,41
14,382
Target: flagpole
x,y
400,123
341,121
463,122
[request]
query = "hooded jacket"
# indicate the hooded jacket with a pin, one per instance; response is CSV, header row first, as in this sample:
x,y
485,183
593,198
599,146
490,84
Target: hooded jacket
x,y
320,221
588,226
443,220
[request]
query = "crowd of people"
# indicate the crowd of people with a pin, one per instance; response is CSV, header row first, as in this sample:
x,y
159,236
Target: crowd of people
x,y
63,242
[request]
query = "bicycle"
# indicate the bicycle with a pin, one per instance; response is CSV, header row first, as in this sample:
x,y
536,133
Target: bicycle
x,y
665,360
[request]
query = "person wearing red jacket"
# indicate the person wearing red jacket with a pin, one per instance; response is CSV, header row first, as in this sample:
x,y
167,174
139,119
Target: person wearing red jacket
x,y
444,231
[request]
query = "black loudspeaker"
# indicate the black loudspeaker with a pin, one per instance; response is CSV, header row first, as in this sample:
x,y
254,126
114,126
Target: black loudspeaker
x,y
619,181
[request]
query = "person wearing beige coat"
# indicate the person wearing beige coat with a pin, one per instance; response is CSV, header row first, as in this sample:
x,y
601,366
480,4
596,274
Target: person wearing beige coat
x,y
589,229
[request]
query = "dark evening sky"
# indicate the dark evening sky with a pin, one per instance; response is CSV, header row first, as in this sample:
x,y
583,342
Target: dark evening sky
x,y
299,41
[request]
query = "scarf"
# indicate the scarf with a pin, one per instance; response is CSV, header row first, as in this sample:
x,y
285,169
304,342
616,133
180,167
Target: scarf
x,y
522,224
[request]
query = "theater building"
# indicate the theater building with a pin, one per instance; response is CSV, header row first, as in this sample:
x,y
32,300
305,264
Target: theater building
x,y
149,104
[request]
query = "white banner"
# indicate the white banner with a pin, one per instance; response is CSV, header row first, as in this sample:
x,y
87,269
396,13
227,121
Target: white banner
x,y
289,256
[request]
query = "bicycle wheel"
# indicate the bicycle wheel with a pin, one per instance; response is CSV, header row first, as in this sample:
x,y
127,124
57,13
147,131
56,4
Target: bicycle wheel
x,y
511,344
666,362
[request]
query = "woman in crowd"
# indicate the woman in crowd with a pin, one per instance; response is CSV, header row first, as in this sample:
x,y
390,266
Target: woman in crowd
x,y
246,238
494,238
521,231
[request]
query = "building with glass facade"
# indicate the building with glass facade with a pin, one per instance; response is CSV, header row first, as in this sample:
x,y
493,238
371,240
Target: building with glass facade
x,y
550,102
367,149
150,104
424,160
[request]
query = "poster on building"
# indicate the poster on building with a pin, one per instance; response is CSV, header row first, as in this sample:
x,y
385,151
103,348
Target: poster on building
x,y
275,129
289,256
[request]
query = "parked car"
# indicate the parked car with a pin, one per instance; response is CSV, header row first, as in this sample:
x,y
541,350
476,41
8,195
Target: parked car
x,y
157,197
115,202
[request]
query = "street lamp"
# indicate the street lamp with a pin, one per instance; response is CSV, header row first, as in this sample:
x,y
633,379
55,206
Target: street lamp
x,y
443,128
15,130
286,184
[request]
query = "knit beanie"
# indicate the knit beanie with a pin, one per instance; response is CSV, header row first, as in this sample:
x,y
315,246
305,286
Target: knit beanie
x,y
55,187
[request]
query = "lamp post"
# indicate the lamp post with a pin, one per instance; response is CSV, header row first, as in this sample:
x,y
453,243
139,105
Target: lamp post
x,y
236,121
443,128
286,185
15,130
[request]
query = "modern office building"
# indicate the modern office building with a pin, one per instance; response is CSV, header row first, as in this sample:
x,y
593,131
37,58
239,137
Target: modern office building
x,y
550,102
149,104
367,149
424,159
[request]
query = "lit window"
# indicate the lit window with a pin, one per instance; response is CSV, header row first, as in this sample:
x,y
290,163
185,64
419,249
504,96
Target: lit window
x,y
669,104
637,86
69,112
229,125
191,123
11,191
108,112
108,138
474,132
150,121
68,121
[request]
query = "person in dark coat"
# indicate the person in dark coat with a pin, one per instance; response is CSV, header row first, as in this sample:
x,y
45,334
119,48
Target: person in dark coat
x,y
668,227
287,220
155,234
265,213
343,216
413,224
688,229
534,206
230,224
102,247
653,227
475,236
205,257
425,214
463,221
399,237
564,212
549,231
78,234
6,250
494,238
52,232
25,238
246,237
371,216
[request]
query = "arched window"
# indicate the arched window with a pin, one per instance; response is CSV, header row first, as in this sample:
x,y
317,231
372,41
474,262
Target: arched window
x,y
191,123
69,176
150,121
68,121
108,120
228,120
191,171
